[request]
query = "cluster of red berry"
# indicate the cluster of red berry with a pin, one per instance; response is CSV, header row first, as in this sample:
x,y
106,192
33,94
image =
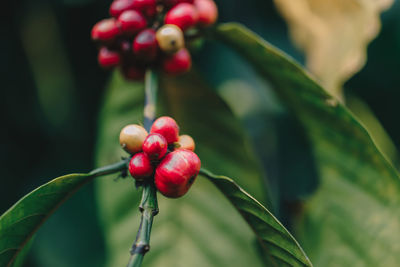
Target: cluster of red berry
x,y
150,33
162,154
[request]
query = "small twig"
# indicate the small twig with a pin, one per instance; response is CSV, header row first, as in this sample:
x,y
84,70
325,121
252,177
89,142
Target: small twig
x,y
148,205
149,208
151,84
113,168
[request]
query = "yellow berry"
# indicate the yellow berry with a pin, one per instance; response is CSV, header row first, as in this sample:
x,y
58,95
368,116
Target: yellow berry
x,y
132,137
170,38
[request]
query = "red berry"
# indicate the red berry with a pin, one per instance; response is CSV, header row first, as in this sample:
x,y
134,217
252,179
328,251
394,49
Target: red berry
x,y
145,45
119,6
167,127
132,22
178,63
146,7
105,30
140,166
108,58
183,15
177,172
207,10
155,146
133,72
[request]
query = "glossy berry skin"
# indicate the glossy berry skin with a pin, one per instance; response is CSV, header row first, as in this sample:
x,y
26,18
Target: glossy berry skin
x,y
177,172
132,137
207,11
105,30
183,15
178,63
155,146
170,38
119,6
145,45
133,72
108,58
140,166
147,7
167,127
186,142
131,22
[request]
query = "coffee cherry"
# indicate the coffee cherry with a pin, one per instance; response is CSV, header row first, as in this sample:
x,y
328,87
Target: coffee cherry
x,y
119,6
146,7
145,45
207,10
178,63
167,127
155,146
133,72
140,166
132,137
183,15
105,30
108,58
177,172
186,142
132,22
170,38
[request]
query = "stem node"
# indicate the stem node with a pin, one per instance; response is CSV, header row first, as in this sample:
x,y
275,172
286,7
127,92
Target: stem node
x,y
148,205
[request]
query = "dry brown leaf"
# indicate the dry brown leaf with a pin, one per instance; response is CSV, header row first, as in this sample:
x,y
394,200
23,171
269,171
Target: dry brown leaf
x,y
334,35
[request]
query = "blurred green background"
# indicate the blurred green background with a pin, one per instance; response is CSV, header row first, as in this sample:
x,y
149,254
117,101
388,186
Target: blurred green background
x,y
52,90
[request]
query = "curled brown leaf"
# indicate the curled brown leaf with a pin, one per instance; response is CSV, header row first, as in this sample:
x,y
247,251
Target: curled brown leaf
x,y
334,34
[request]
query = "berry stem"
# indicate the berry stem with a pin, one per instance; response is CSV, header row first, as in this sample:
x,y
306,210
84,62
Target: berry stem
x,y
148,205
149,208
113,168
151,82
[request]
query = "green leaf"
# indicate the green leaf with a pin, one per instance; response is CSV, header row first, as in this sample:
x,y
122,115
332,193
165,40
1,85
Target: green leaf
x,y
21,257
202,228
276,241
21,221
353,219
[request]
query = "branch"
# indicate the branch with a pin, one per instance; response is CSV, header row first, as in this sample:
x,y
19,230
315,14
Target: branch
x,y
151,85
148,205
121,166
149,209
